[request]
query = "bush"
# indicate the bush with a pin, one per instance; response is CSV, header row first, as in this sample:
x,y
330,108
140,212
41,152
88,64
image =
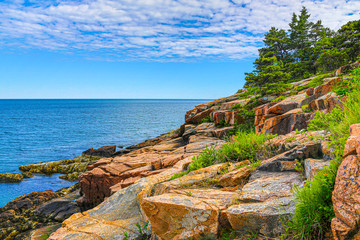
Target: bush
x,y
206,158
314,209
306,108
206,119
246,146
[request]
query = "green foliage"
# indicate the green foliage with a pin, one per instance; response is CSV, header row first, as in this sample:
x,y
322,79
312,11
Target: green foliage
x,y
318,80
348,39
206,119
222,123
178,175
235,106
305,49
314,209
278,99
206,158
331,59
227,234
306,108
269,76
44,236
246,146
344,87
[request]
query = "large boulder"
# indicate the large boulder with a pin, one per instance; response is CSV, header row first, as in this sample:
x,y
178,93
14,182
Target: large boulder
x,y
189,215
118,215
282,108
260,113
265,218
346,192
286,123
60,208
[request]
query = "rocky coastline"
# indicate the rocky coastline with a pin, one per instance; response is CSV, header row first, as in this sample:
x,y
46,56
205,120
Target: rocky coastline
x,y
147,192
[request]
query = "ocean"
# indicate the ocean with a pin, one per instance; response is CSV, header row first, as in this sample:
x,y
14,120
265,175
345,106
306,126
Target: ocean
x,y
46,130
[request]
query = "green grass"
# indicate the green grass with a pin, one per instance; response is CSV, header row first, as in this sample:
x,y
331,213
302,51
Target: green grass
x,y
244,145
314,208
318,80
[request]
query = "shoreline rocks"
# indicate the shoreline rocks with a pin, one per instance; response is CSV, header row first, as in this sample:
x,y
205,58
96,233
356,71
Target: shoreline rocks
x,y
11,177
35,210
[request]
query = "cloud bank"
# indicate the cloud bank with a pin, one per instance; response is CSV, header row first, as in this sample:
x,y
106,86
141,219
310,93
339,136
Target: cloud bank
x,y
159,30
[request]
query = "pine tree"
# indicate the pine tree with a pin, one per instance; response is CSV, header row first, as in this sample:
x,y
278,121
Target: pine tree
x,y
277,42
268,77
348,39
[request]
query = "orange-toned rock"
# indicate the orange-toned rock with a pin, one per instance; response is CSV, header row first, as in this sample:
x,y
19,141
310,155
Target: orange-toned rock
x,y
313,166
197,118
282,108
327,87
189,180
206,106
235,178
346,192
228,105
286,123
192,214
118,214
219,116
226,116
310,91
326,102
264,186
265,218
260,113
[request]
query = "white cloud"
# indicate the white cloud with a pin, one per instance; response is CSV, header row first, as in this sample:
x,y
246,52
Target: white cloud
x,y
158,29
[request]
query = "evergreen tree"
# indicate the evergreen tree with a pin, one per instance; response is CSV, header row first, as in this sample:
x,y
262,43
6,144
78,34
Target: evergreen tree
x,y
300,43
348,39
277,42
269,76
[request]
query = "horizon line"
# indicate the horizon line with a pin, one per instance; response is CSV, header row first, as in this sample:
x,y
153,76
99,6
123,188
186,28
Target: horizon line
x,y
107,98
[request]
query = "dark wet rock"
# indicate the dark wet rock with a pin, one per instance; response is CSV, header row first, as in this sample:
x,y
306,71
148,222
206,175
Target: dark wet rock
x,y
18,218
105,151
60,208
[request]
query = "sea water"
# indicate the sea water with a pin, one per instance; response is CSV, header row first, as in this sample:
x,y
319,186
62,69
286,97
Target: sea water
x,y
46,130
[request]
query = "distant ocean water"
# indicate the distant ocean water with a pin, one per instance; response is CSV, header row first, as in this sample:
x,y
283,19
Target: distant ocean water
x,y
46,130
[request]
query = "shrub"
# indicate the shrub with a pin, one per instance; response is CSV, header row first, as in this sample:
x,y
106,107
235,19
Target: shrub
x,y
222,123
314,209
206,119
243,145
235,106
246,146
306,108
206,158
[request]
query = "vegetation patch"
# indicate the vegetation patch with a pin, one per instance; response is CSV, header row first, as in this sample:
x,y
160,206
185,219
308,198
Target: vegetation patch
x,y
314,208
244,145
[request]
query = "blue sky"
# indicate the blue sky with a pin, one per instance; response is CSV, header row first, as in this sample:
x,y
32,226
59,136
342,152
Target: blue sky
x,y
143,48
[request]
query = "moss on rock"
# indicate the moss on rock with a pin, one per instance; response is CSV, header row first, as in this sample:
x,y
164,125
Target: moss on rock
x,y
11,177
77,164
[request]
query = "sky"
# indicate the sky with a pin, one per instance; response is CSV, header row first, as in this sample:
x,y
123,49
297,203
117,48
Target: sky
x,y
194,49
